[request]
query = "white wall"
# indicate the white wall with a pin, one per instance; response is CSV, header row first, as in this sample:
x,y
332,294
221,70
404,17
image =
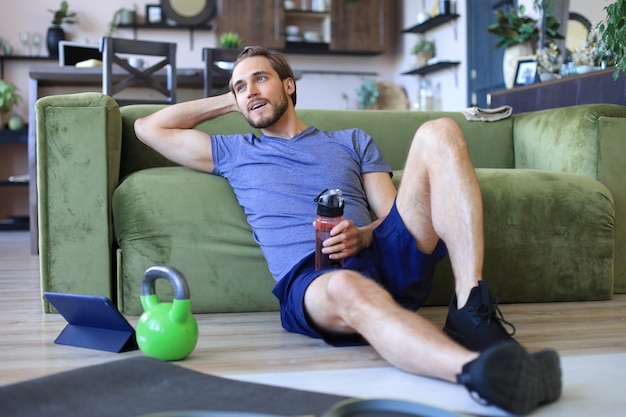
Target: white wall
x,y
314,91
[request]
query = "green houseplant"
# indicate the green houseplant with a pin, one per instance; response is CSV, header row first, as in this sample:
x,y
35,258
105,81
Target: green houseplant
x,y
61,16
230,40
121,15
613,35
9,97
514,28
424,50
367,94
519,34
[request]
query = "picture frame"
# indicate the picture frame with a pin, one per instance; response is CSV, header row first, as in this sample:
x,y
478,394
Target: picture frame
x,y
526,73
154,14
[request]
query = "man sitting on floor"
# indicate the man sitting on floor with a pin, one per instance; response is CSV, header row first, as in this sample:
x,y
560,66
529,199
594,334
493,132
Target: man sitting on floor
x,y
388,264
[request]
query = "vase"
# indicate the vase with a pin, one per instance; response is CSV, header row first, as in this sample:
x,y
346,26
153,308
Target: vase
x,y
512,54
421,59
584,69
54,35
547,76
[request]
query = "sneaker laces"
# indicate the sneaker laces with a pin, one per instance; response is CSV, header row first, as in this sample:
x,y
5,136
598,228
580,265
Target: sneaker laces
x,y
466,381
488,311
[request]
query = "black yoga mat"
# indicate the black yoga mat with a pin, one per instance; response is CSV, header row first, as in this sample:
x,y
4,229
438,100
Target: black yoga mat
x,y
142,385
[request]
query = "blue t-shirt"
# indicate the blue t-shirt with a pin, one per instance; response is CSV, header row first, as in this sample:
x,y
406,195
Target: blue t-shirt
x,y
276,180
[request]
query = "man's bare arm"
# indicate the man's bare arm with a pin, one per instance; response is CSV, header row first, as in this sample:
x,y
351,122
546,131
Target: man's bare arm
x,y
171,132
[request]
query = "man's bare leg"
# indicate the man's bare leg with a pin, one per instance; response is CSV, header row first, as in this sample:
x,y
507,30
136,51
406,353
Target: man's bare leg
x,y
439,197
345,301
504,374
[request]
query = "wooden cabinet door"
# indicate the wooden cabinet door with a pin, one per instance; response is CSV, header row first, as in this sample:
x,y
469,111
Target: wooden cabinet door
x,y
258,22
363,25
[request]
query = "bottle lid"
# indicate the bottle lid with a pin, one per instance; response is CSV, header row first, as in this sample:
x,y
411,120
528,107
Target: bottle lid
x,y
330,203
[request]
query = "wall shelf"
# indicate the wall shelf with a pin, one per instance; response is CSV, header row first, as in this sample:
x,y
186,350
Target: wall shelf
x,y
439,66
14,136
431,23
320,48
15,222
22,58
428,69
191,28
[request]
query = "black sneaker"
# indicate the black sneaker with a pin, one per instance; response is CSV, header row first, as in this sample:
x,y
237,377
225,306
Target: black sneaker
x,y
509,377
479,324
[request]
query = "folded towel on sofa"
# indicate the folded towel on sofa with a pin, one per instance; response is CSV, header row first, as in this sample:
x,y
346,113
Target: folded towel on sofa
x,y
487,115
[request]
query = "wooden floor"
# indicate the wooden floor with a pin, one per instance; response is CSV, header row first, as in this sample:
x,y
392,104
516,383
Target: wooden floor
x,y
254,343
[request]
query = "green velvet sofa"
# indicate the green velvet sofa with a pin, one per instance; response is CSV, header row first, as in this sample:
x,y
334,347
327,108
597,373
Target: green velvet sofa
x,y
109,207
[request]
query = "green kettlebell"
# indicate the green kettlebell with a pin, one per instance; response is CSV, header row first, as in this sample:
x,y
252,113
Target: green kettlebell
x,y
166,331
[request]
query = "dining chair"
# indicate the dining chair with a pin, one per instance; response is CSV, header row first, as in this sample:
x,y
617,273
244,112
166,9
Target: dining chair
x,y
118,74
217,69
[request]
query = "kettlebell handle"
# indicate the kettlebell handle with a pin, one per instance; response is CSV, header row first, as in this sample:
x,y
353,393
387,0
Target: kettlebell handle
x,y
173,275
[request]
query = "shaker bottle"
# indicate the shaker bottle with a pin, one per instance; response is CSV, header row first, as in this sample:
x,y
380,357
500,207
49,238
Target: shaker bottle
x,y
329,213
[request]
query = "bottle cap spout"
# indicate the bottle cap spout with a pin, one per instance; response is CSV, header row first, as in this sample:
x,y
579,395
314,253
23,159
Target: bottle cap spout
x,y
330,203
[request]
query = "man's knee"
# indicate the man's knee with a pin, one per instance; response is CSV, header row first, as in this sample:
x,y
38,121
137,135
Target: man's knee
x,y
349,289
437,136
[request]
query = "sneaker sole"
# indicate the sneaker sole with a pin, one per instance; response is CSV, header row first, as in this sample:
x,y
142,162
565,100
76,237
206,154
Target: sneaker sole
x,y
513,379
539,382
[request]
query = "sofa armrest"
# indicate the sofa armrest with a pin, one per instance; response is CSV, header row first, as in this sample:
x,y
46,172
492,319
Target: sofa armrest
x,y
78,154
565,139
586,140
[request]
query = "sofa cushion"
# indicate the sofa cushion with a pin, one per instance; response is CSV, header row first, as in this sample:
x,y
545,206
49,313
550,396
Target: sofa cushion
x,y
193,222
549,236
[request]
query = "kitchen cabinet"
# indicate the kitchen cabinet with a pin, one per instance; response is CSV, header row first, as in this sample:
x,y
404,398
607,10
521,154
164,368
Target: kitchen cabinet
x,y
258,22
364,27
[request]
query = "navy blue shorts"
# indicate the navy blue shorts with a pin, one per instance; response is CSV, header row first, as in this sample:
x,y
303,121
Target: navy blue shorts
x,y
392,260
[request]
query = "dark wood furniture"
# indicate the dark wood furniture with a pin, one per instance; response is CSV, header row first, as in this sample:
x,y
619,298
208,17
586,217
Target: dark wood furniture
x,y
114,51
213,85
366,27
594,87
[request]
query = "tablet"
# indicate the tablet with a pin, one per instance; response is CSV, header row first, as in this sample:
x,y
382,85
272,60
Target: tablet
x,y
93,322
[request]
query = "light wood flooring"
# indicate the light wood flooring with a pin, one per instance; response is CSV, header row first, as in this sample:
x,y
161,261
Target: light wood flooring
x,y
254,343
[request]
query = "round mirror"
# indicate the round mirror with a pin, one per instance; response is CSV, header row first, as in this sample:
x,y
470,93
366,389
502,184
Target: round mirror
x,y
188,12
578,28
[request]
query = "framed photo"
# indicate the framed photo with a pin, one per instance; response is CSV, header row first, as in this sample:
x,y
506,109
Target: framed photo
x,y
526,73
154,14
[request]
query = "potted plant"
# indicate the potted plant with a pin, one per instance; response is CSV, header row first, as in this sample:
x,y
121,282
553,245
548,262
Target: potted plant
x,y
230,40
613,35
9,97
123,16
367,94
519,34
424,50
55,33
514,28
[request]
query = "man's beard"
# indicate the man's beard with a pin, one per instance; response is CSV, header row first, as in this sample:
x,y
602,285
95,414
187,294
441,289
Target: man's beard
x,y
278,110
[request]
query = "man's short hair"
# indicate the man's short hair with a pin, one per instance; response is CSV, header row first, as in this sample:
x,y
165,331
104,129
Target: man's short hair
x,y
277,61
